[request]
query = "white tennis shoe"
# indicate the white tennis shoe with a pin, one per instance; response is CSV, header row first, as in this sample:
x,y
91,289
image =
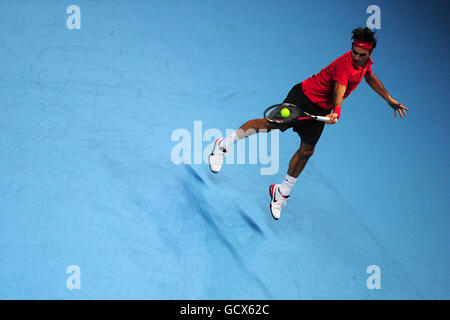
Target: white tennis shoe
x,y
216,157
277,202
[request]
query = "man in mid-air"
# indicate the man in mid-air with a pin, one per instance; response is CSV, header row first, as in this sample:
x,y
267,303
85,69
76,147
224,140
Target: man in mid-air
x,y
322,94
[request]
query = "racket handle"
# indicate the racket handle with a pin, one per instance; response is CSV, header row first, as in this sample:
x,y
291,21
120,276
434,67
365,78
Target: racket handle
x,y
320,118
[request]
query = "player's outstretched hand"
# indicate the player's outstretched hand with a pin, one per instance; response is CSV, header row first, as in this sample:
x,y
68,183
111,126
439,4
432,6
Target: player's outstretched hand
x,y
333,118
398,107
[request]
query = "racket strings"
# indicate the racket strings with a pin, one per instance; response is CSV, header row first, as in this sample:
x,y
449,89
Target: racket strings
x,y
275,114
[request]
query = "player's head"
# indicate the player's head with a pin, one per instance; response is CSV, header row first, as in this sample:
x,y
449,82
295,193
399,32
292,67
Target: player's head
x,y
364,42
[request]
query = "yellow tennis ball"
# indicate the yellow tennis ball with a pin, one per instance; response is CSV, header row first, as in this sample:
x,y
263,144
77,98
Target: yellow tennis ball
x,y
285,112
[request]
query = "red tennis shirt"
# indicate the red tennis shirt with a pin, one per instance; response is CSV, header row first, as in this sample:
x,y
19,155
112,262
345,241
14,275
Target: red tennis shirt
x,y
319,87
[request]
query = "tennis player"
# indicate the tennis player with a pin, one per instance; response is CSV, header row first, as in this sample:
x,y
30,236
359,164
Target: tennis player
x,y
322,94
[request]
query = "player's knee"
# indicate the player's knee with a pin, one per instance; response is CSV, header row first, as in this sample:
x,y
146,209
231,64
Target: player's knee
x,y
306,151
264,125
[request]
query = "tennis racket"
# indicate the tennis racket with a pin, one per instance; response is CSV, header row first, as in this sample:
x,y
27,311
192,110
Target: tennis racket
x,y
273,114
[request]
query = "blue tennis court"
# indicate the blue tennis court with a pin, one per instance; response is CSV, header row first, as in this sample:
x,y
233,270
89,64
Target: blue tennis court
x,y
108,113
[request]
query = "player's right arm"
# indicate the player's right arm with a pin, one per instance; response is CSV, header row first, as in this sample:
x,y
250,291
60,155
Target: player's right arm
x,y
338,98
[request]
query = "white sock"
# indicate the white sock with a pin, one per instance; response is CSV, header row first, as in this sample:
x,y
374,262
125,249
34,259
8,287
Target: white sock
x,y
287,185
229,141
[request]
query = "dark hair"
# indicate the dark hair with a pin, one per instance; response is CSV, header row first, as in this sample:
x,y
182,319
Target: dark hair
x,y
366,35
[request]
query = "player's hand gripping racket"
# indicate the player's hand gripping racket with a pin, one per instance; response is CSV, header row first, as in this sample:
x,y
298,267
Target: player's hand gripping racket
x,y
274,114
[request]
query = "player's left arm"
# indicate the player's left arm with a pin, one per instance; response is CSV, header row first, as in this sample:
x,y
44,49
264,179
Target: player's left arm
x,y
377,86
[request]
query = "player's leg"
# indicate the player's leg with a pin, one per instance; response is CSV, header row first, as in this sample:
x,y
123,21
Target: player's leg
x,y
309,132
299,160
221,145
256,125
247,129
